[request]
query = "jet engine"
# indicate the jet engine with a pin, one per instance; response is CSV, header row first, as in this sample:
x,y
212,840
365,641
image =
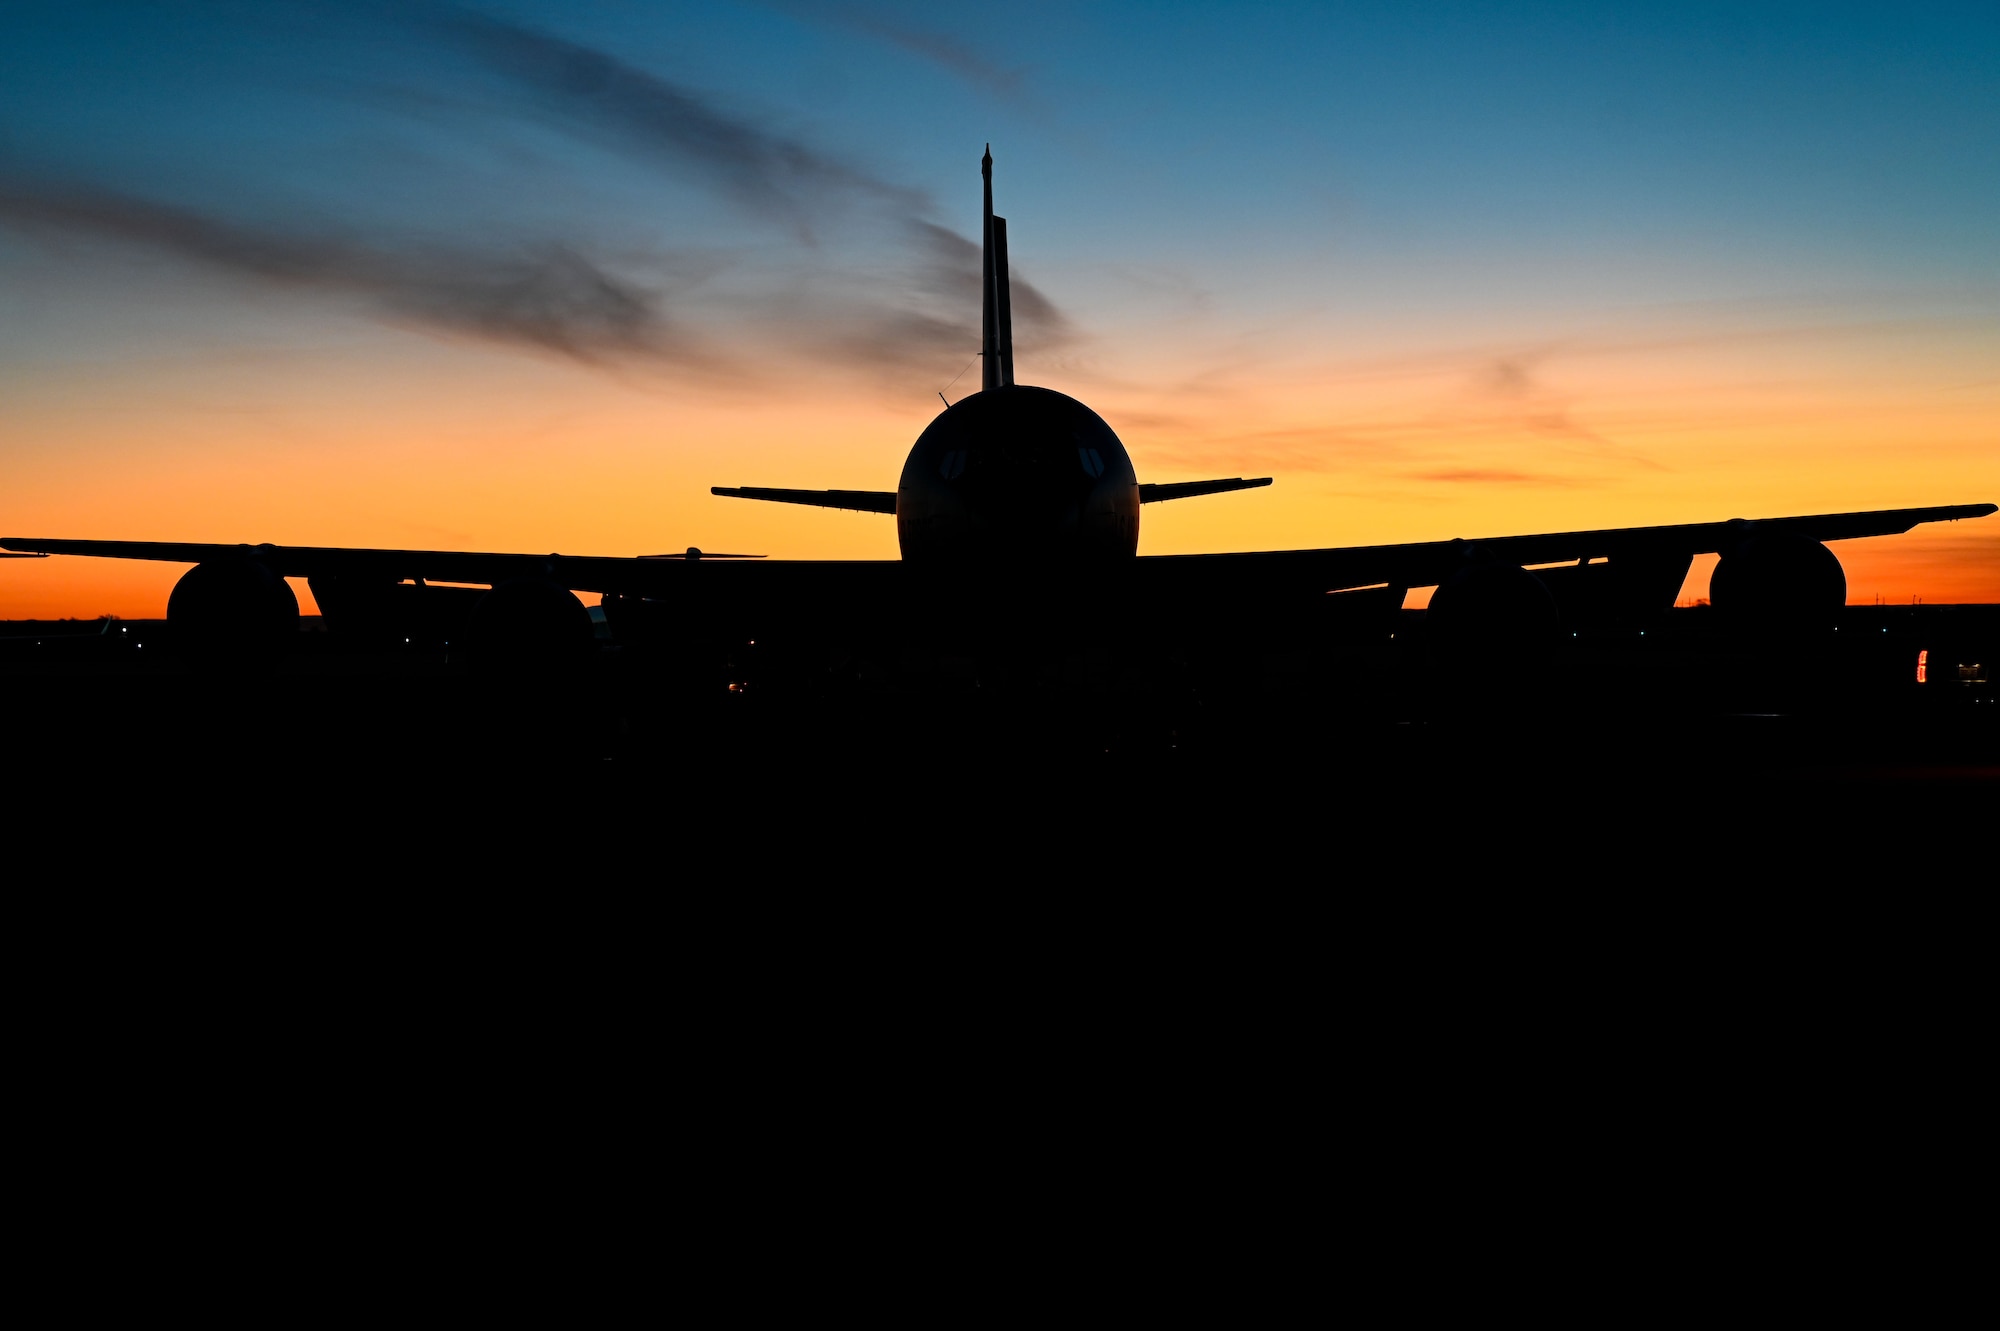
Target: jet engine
x,y
529,622
1492,603
233,602
1776,580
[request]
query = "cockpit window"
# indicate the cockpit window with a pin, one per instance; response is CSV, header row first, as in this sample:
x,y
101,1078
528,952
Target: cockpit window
x,y
952,465
1093,461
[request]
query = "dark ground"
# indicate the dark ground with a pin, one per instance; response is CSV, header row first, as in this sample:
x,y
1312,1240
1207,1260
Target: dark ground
x,y
1665,958
1611,756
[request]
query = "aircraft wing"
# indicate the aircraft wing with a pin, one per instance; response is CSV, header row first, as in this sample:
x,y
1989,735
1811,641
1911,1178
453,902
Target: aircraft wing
x,y
1415,565
1428,563
859,501
1155,494
632,576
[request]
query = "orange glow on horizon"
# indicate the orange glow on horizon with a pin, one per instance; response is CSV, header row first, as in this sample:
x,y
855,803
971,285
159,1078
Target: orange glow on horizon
x,y
454,447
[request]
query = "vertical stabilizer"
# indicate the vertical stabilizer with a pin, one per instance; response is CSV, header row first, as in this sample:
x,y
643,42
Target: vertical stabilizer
x,y
996,305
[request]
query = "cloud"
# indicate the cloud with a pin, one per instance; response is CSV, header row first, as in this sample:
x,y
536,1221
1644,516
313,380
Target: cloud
x,y
1532,405
1309,450
518,279
1509,377
548,297
955,271
947,53
922,318
592,93
1480,476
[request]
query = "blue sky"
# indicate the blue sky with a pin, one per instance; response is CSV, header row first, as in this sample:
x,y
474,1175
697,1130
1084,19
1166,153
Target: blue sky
x,y
1278,155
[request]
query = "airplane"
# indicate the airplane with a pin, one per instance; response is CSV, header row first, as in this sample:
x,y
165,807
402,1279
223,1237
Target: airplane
x,y
1017,513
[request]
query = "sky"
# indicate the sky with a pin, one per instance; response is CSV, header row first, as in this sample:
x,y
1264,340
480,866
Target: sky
x,y
533,276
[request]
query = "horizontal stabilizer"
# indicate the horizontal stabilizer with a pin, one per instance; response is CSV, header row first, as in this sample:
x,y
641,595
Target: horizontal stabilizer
x,y
860,501
1154,494
696,552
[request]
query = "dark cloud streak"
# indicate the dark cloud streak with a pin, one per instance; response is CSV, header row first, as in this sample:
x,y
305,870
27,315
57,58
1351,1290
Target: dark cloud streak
x,y
1480,476
946,52
597,94
550,294
955,272
548,297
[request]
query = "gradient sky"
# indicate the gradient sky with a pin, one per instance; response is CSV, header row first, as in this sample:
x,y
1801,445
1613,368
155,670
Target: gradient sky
x,y
533,276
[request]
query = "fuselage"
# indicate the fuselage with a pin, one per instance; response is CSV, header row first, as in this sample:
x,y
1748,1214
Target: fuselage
x,y
1017,473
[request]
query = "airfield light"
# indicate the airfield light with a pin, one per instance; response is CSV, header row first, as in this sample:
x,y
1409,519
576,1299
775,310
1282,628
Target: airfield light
x,y
1923,662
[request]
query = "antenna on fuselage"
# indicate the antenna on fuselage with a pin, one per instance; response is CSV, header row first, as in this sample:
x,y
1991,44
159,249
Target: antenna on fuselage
x,y
997,307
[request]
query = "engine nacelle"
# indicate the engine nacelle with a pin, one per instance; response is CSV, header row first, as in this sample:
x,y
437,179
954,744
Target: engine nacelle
x,y
233,602
1776,580
1492,603
529,622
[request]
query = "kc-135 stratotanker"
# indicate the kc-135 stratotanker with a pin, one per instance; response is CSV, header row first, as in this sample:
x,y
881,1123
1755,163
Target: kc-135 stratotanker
x,y
1017,507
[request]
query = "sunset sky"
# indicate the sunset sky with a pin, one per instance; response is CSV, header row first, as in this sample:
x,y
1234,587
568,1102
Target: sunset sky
x,y
534,276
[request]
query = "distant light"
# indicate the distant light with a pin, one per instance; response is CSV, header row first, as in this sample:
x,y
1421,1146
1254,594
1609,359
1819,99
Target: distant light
x,y
1923,661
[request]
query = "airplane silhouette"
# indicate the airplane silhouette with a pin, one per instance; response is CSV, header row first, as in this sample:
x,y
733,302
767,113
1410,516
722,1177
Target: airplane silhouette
x,y
1020,503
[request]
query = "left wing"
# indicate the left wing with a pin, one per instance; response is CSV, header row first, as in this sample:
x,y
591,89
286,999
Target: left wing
x,y
860,501
630,576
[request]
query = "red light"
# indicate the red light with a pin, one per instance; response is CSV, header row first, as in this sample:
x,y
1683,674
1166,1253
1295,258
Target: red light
x,y
1923,660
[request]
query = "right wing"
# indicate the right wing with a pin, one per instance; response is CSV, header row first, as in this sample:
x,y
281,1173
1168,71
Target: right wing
x,y
1154,494
1428,563
859,501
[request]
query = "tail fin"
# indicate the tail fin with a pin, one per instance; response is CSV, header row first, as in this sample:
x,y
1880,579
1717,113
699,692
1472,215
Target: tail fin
x,y
997,313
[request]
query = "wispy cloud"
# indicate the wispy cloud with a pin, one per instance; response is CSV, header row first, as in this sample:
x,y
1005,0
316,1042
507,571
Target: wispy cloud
x,y
592,93
548,297
953,270
921,318
1491,476
553,289
946,52
1513,383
